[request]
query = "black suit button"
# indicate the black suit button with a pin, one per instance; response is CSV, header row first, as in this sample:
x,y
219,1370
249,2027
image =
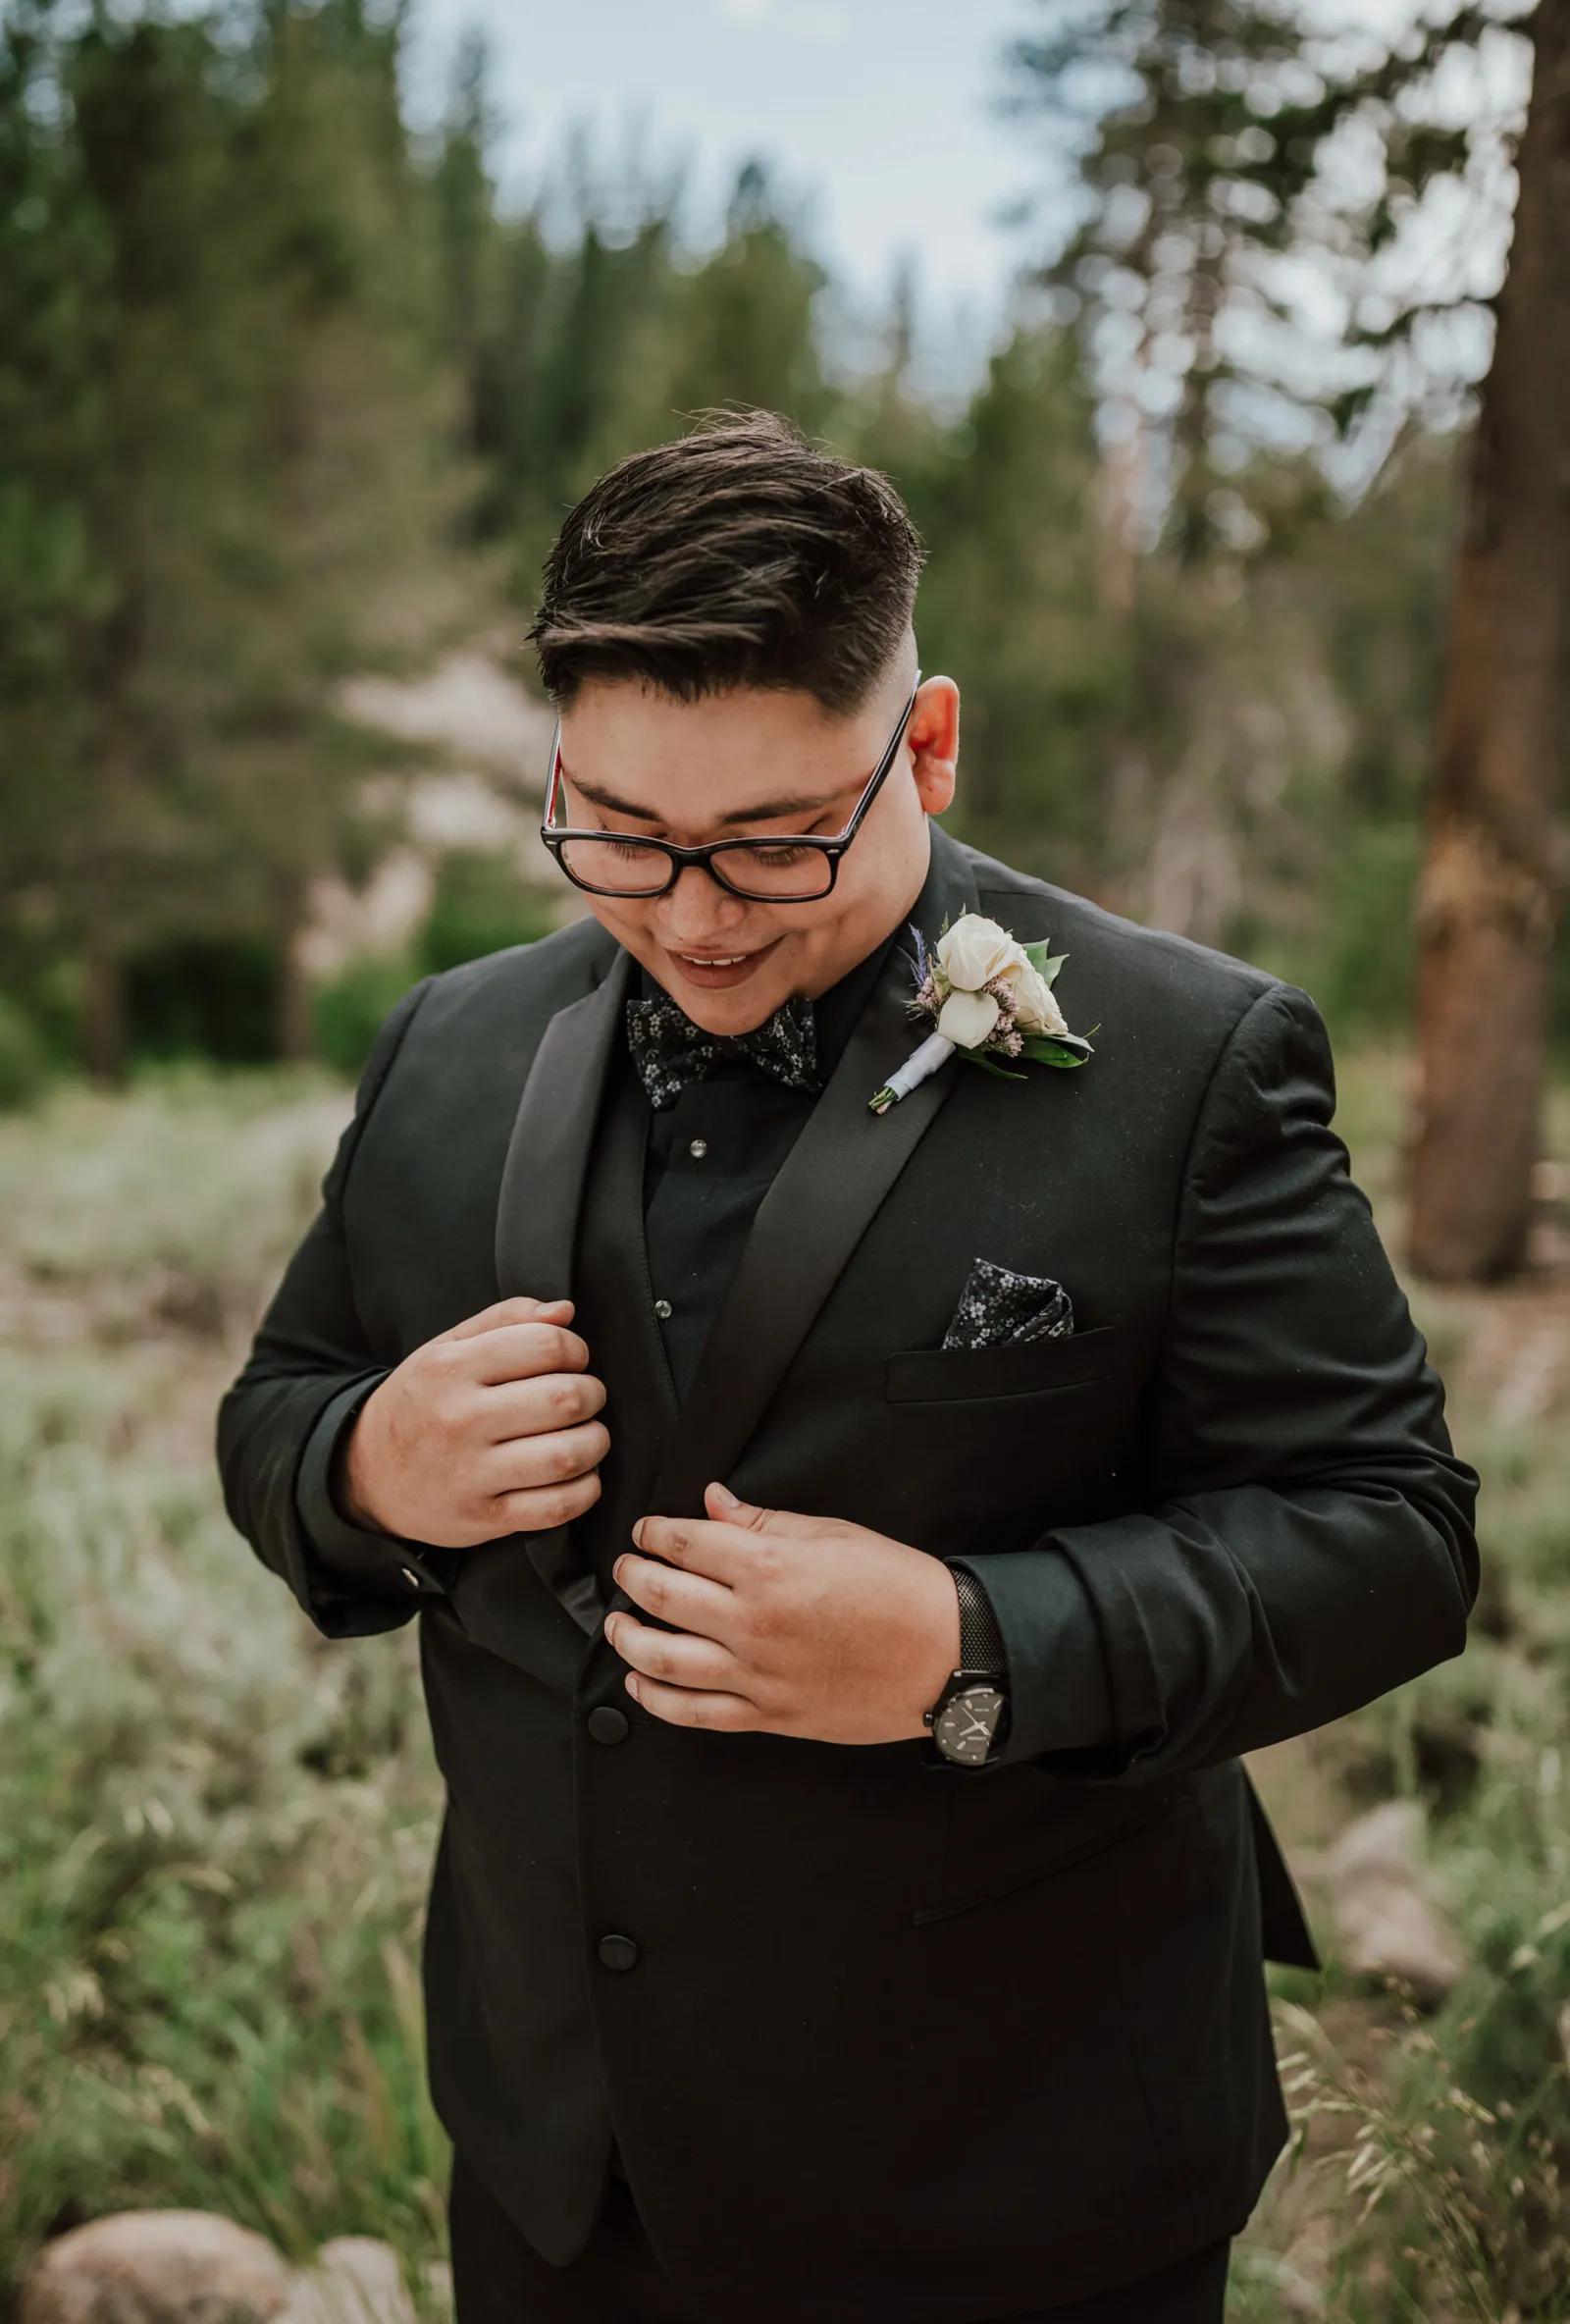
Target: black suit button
x,y
618,1952
608,1725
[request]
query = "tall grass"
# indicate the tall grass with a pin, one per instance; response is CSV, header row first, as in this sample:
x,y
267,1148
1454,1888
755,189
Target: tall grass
x,y
1441,2144
215,1833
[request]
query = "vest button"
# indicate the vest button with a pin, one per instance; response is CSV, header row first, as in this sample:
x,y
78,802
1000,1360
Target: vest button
x,y
662,1311
618,1953
608,1725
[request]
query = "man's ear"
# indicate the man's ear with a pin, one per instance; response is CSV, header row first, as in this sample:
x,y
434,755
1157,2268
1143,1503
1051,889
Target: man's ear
x,y
933,740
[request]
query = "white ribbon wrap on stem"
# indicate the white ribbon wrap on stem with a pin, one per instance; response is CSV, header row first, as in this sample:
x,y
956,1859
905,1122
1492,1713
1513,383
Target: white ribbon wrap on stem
x,y
933,1052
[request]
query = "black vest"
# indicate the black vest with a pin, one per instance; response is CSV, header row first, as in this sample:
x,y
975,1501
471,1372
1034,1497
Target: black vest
x,y
615,1303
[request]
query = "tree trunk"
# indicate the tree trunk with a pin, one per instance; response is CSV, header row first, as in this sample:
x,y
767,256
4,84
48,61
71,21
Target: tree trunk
x,y
1489,900
103,1016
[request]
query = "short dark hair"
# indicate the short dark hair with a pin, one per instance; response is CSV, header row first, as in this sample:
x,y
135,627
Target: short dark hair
x,y
738,556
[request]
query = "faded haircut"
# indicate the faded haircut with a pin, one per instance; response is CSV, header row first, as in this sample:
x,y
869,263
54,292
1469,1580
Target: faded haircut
x,y
737,556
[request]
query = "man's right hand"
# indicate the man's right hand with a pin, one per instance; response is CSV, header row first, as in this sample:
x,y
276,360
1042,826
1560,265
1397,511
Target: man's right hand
x,y
489,1429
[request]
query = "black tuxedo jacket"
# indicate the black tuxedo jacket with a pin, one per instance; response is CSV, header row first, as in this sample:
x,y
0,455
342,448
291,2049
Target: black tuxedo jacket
x,y
897,2042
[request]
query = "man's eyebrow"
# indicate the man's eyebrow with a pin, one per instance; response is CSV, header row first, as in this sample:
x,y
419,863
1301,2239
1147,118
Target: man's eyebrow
x,y
764,811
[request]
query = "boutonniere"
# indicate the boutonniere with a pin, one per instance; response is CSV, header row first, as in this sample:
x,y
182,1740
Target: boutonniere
x,y
990,998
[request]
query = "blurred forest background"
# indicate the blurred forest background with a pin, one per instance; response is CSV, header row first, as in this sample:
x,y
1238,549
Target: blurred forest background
x,y
1249,546
288,403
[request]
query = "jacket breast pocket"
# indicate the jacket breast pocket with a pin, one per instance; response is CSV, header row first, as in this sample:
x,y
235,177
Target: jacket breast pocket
x,y
959,1375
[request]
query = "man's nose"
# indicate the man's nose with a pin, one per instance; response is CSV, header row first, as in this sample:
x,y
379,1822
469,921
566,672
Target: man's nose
x,y
699,905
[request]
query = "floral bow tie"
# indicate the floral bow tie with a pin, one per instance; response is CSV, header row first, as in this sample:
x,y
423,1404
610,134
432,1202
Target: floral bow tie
x,y
671,1052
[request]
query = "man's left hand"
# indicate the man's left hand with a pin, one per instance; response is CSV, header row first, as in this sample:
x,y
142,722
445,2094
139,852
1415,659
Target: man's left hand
x,y
785,1626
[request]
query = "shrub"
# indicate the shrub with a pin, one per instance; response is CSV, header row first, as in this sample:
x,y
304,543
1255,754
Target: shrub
x,y
1367,975
24,1065
351,1006
214,1838
481,905
202,996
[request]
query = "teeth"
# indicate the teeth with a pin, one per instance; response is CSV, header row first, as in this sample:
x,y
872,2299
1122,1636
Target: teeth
x,y
734,961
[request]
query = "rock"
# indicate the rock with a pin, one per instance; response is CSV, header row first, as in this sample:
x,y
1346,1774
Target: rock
x,y
155,2267
1388,1926
357,2280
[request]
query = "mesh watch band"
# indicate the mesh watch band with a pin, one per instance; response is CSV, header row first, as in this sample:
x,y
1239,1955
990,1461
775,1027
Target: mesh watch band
x,y
981,1639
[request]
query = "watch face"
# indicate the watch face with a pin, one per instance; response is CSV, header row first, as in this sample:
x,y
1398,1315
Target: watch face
x,y
965,1727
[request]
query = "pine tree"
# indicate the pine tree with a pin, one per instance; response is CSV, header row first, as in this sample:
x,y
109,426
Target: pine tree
x,y
1007,506
232,438
1220,157
749,321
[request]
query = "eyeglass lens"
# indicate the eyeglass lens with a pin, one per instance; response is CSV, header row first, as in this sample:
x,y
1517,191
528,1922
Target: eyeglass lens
x,y
612,868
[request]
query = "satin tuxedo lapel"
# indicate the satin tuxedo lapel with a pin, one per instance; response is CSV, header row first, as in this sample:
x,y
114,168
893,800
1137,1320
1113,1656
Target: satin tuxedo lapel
x,y
537,1232
547,1155
813,1217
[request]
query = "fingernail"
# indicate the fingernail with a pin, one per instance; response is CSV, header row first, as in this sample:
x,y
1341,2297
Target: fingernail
x,y
632,1688
610,1628
615,1571
638,1535
724,1496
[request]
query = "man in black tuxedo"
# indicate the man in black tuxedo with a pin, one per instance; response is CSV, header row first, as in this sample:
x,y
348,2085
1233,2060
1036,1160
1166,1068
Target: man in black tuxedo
x,y
849,1903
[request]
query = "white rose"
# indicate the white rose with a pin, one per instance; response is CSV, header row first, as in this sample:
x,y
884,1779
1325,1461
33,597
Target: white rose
x,y
1035,1010
975,951
966,1018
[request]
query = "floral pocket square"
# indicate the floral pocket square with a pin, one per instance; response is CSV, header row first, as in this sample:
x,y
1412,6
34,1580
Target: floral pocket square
x,y
999,1308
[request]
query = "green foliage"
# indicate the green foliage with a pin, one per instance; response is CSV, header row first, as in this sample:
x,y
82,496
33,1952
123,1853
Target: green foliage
x,y
1007,502
198,997
1366,977
573,357
349,1007
748,321
481,905
283,391
214,1843
1052,1049
220,488
24,1064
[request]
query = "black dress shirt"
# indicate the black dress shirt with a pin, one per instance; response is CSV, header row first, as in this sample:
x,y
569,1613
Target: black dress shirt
x,y
709,1160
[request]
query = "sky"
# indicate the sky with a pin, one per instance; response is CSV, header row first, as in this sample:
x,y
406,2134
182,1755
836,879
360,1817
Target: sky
x,y
880,115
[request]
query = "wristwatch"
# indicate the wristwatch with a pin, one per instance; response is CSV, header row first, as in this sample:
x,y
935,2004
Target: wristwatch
x,y
968,1719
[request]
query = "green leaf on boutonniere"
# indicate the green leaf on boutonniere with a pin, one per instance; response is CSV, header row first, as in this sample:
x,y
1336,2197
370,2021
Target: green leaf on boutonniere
x,y
990,1065
1047,1048
1045,963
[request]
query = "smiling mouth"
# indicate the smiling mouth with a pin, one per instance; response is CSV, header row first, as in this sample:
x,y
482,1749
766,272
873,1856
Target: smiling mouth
x,y
720,968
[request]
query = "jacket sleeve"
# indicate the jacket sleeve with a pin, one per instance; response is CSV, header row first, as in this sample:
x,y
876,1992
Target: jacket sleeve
x,y
1309,1544
280,1425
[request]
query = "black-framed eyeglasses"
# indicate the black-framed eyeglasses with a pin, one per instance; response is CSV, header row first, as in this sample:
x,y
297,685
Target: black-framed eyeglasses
x,y
783,870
